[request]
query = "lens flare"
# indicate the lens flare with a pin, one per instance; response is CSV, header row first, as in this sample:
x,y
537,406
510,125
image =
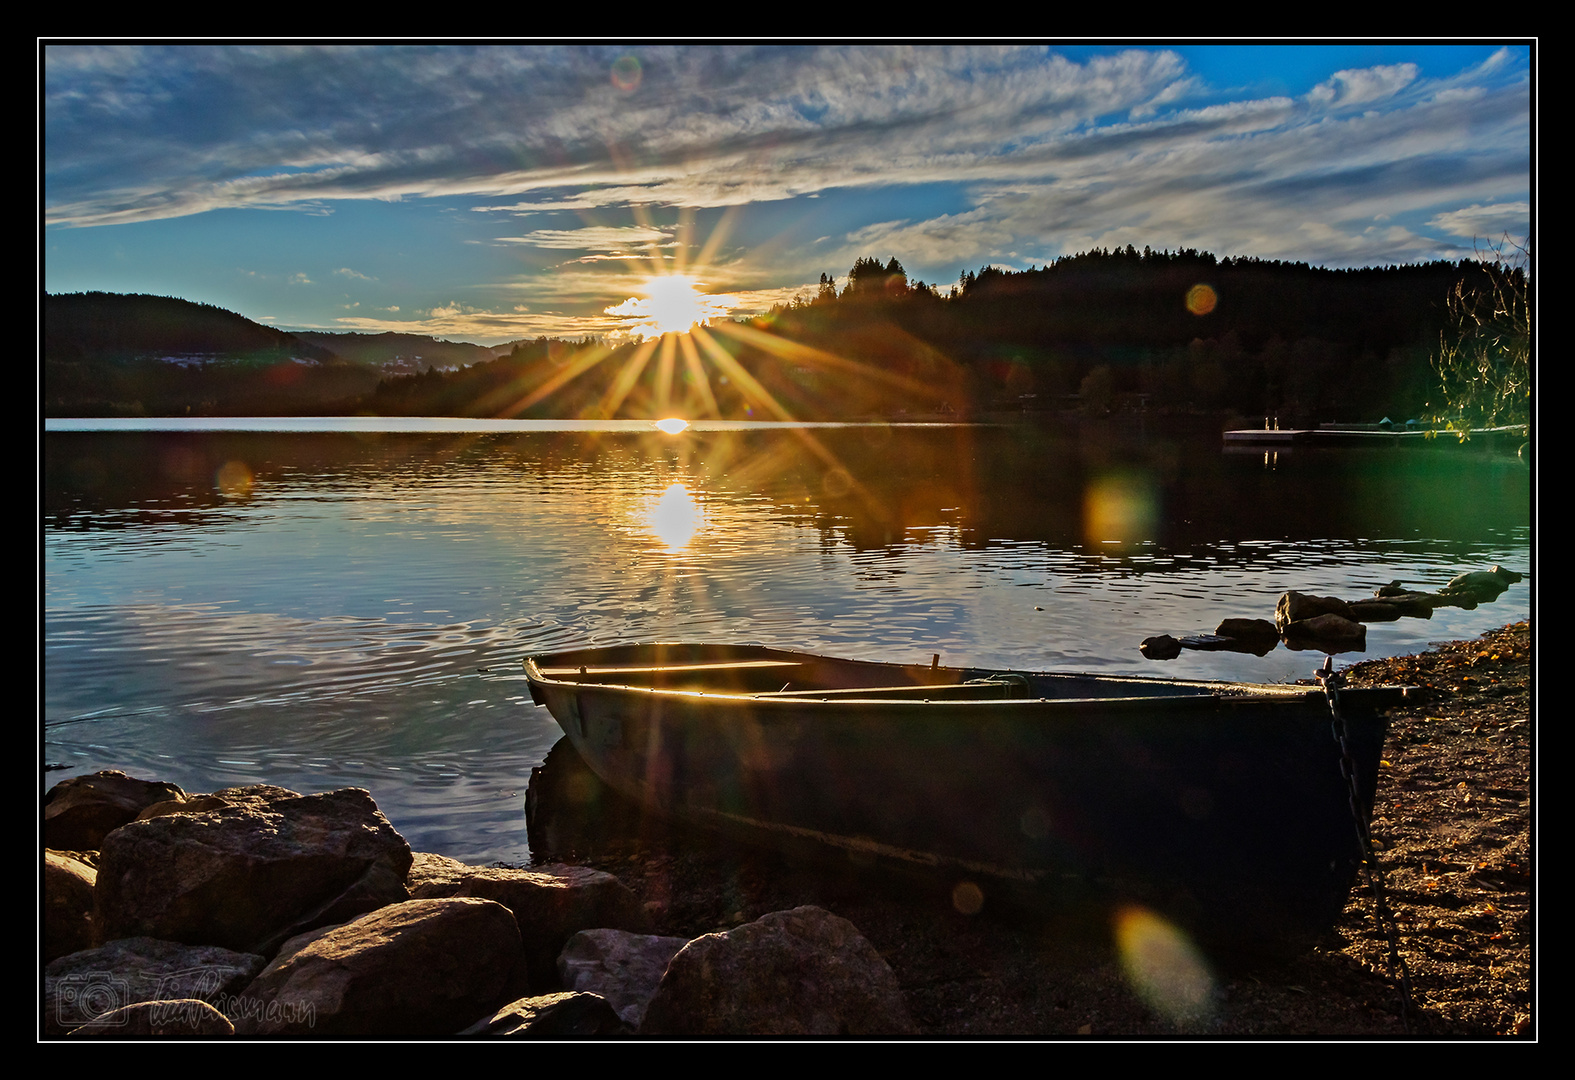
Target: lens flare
x,y
968,898
1120,509
1164,967
233,479
626,73
672,425
1201,299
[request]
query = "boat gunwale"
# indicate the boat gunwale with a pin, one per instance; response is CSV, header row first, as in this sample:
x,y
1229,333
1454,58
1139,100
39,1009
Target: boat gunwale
x,y
1201,691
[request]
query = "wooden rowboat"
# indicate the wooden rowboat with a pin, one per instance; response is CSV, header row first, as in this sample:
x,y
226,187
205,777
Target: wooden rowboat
x,y
1221,806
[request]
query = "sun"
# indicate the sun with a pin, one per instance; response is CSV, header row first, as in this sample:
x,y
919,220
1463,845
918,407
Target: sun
x,y
671,304
674,303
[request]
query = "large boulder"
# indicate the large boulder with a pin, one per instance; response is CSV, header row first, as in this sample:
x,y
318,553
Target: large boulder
x,y
84,985
554,902
621,967
423,968
68,904
249,875
81,811
799,972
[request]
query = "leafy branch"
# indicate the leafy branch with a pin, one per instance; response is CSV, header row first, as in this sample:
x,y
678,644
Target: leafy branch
x,y
1483,364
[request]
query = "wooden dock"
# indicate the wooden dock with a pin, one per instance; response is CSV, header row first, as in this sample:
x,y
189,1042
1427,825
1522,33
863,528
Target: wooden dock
x,y
1352,435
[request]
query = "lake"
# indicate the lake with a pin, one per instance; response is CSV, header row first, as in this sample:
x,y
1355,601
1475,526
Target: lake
x,y
322,603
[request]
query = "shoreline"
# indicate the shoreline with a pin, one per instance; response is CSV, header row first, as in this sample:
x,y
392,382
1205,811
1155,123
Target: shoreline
x,y
1452,820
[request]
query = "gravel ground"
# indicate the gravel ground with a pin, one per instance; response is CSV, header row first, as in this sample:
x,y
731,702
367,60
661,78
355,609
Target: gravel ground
x,y
1452,820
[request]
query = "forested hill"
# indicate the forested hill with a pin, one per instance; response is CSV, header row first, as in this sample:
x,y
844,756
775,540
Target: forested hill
x,y
1099,331
107,354
1146,299
114,354
95,325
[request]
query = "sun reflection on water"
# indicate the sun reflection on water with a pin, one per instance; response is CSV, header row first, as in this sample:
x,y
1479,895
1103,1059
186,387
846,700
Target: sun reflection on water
x,y
675,517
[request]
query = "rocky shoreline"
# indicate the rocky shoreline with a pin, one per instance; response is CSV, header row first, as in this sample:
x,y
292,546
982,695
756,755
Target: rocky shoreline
x,y
505,951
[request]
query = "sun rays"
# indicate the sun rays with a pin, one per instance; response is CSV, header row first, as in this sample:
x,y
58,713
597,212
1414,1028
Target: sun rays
x,y
684,357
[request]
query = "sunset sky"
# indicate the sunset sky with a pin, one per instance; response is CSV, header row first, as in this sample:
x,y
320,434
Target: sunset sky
x,y
490,192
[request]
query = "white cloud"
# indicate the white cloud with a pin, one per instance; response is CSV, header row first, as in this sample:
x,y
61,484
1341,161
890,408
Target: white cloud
x,y
1487,223
1358,86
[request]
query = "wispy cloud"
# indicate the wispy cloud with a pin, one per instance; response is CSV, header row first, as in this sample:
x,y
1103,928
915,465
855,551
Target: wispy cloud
x,y
593,238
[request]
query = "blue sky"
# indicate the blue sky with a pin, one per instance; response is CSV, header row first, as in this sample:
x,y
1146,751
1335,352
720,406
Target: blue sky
x,y
490,192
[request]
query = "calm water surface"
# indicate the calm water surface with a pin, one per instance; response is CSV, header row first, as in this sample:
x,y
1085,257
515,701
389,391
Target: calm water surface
x,y
320,608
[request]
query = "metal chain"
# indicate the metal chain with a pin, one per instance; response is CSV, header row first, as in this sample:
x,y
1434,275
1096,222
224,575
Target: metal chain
x,y
1331,681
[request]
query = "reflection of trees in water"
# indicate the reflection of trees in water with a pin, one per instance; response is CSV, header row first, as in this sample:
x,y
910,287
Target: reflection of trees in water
x,y
872,487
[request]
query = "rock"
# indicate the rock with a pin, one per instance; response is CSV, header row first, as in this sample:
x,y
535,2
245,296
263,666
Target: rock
x,y
187,1017
81,811
553,1016
1257,636
1216,643
1327,633
247,876
435,877
250,794
1376,611
1411,605
1248,629
84,985
67,904
1299,607
799,972
623,968
421,968
1162,647
1483,586
554,902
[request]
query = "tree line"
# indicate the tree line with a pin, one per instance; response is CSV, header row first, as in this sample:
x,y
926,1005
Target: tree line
x,y
1103,330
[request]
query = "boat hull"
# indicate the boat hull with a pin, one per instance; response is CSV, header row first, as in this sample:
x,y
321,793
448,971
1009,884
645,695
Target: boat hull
x,y
1225,811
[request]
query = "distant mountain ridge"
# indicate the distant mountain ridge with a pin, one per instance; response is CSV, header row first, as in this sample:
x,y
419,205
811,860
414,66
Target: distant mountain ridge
x,y
402,351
